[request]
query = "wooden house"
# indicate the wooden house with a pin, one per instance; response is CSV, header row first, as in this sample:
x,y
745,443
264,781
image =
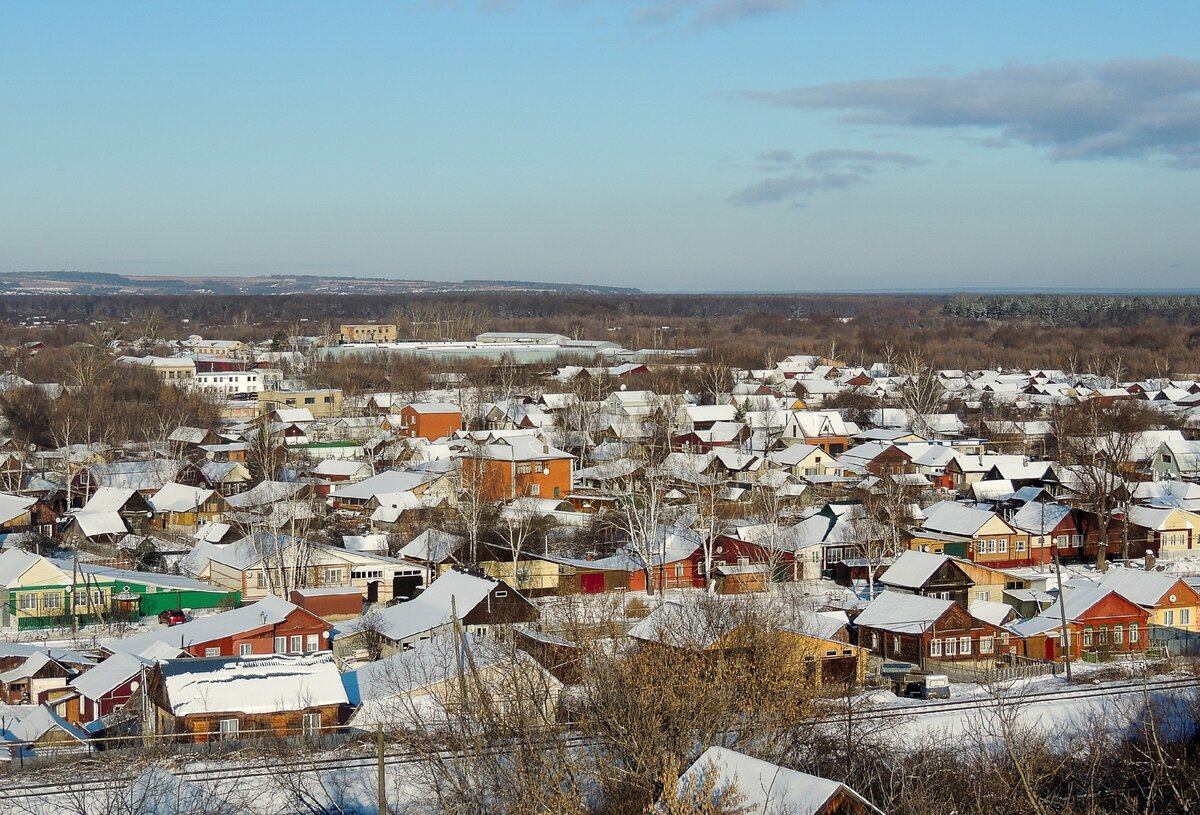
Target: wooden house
x,y
227,699
1100,623
919,630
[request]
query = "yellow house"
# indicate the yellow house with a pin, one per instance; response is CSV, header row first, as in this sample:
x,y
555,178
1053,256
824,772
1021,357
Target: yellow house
x,y
322,403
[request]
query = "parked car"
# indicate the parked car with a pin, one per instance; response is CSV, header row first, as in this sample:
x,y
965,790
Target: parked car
x,y
173,616
923,686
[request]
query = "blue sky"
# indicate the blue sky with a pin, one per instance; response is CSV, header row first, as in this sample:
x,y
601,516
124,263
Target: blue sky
x,y
665,144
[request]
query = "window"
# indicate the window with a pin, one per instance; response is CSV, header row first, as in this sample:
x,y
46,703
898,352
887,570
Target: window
x,y
310,400
743,561
260,580
1118,634
52,601
935,648
281,645
964,645
28,601
950,646
1077,541
1185,616
987,645
1133,633
1020,545
983,596
524,468
367,574
1103,635
1002,545
332,576
875,640
895,644
312,643
297,644
535,489
81,599
229,729
500,594
1169,617
679,570
212,652
312,724
1087,637
245,649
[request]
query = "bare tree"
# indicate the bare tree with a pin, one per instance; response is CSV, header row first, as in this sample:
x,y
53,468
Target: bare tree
x,y
921,393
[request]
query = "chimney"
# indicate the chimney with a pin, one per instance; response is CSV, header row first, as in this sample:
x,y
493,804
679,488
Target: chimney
x,y
1150,561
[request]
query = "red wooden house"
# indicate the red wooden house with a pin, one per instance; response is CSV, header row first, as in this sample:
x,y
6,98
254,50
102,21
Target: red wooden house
x,y
271,625
913,628
106,687
1100,622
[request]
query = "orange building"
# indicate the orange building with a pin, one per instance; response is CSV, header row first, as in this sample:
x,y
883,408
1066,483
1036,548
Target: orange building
x,y
517,467
430,420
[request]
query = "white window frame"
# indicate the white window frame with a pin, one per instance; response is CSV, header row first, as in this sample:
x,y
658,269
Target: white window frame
x,y
964,646
1118,634
212,651
28,601
987,645
950,647
312,643
245,649
935,647
1134,633
281,645
296,644
228,729
310,724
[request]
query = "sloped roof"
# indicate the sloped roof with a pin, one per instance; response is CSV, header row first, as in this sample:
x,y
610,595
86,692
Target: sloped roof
x,y
179,498
264,684
767,788
1144,588
902,613
955,519
1039,518
913,569
433,546
112,672
92,524
270,610
432,608
13,506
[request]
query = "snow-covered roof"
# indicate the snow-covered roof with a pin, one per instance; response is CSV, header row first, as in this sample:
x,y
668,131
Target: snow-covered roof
x,y
108,499
991,612
266,684
112,672
270,610
902,613
766,788
432,546
432,608
955,519
387,482
38,722
365,543
1144,588
1039,518
92,524
913,569
175,497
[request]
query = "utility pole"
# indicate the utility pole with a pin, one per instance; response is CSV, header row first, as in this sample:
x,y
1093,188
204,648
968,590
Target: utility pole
x,y
382,782
1065,640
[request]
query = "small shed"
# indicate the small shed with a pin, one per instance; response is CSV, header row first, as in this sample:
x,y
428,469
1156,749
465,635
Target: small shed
x,y
332,603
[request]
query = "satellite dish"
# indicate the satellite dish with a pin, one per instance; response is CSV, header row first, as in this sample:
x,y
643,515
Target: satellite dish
x,y
545,471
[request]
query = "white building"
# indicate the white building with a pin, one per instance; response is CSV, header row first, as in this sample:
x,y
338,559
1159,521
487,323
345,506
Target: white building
x,y
229,382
